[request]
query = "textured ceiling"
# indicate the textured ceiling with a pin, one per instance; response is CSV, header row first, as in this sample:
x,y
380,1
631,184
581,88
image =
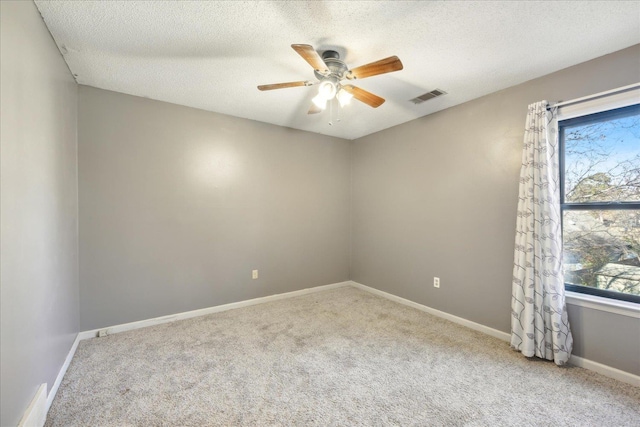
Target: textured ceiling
x,y
212,55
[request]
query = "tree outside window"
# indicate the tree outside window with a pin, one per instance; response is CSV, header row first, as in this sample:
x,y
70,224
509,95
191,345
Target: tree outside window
x,y
600,178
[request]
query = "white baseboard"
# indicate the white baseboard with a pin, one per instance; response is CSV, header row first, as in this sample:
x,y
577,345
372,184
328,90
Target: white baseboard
x,y
605,370
204,311
455,319
36,413
63,370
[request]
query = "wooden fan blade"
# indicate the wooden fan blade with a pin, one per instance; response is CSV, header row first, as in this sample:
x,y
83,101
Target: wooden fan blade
x,y
386,65
364,96
282,85
314,109
310,55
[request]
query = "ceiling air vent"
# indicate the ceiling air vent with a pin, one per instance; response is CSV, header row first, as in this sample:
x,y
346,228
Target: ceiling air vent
x,y
427,96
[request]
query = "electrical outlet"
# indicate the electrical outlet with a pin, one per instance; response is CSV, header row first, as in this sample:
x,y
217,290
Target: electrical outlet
x,y
254,274
436,282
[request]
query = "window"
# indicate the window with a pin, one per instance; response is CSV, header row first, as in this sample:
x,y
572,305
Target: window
x,y
600,202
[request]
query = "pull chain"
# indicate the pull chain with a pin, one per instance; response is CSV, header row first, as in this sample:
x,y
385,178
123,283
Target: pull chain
x,y
333,116
331,112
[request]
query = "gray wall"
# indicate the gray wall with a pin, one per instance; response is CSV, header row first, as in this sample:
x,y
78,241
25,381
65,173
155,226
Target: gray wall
x,y
178,205
437,197
39,291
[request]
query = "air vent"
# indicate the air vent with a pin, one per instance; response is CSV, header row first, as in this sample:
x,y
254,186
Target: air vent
x,y
427,96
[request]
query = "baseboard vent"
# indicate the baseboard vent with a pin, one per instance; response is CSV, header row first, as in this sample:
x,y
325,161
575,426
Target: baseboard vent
x,y
36,413
427,96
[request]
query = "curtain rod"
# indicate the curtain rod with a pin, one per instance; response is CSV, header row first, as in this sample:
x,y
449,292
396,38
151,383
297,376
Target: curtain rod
x,y
595,96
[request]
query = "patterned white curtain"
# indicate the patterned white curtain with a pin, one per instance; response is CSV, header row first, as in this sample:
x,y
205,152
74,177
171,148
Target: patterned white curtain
x,y
539,323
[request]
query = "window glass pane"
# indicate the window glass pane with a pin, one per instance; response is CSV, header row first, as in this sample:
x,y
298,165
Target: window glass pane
x,y
602,249
602,159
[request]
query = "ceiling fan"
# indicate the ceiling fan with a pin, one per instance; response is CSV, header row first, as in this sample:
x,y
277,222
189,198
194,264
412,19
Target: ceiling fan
x,y
331,71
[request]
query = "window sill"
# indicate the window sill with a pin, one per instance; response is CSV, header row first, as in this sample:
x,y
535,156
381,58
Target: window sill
x,y
623,308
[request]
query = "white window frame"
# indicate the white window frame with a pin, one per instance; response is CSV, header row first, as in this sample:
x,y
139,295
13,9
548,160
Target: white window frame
x,y
604,101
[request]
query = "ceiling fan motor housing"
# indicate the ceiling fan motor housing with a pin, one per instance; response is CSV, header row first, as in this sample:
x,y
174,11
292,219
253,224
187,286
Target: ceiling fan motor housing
x,y
337,67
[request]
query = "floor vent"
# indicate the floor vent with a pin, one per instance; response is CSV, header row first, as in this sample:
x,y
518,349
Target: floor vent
x,y
427,96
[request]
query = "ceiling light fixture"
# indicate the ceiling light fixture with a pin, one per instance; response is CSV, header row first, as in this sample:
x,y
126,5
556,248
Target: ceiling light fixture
x,y
327,89
320,101
326,92
344,97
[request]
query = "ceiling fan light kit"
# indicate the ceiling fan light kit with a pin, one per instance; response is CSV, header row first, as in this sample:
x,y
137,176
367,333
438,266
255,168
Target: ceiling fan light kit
x,y
320,102
328,88
344,97
330,71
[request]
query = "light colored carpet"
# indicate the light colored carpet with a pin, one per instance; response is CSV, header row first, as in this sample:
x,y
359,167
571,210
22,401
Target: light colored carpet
x,y
339,357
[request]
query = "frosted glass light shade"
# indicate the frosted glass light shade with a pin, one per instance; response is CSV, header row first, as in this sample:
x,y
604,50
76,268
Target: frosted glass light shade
x,y
327,89
320,101
344,97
